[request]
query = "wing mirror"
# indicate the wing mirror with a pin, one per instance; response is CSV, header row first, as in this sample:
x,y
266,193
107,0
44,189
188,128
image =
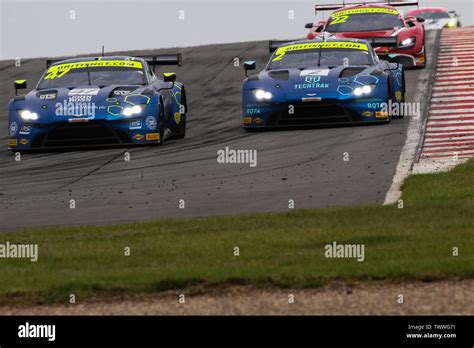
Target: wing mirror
x,y
411,21
169,77
309,25
394,60
454,14
249,65
420,20
19,84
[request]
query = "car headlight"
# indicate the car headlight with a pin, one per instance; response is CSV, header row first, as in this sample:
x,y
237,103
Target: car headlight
x,y
27,115
363,90
260,94
452,23
408,42
132,110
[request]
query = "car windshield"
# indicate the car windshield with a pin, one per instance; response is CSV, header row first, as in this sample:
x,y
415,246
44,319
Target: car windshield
x,y
319,57
339,23
434,15
99,73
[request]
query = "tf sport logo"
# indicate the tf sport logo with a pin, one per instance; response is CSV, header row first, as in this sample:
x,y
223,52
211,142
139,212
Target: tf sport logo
x,y
312,79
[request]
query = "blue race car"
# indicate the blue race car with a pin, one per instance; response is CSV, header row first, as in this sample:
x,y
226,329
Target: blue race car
x,y
327,81
99,101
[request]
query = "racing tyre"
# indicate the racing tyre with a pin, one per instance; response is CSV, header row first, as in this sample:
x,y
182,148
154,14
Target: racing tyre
x,y
161,121
182,132
402,100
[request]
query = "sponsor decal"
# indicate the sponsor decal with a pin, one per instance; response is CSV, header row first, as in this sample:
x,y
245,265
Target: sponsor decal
x,y
121,92
280,52
381,114
24,141
357,11
398,96
138,137
47,96
151,122
80,98
376,106
26,129
311,99
136,124
177,117
12,142
78,120
311,82
57,71
153,136
315,72
247,120
252,111
13,129
258,120
368,113
84,91
420,60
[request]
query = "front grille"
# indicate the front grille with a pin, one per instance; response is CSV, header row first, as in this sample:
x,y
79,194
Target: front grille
x,y
81,135
313,113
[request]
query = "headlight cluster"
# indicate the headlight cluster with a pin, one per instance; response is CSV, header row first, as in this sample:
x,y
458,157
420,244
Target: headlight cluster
x,y
452,23
27,115
132,110
363,90
408,42
260,94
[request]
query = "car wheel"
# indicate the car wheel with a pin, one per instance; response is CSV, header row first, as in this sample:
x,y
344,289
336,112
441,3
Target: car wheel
x,y
161,118
182,133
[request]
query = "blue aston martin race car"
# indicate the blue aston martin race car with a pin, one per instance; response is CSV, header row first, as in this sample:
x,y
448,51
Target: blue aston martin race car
x,y
325,81
99,101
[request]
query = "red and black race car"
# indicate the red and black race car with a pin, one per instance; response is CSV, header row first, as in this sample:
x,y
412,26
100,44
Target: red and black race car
x,y
373,20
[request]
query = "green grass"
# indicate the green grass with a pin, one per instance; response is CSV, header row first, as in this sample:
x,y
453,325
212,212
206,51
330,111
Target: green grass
x,y
285,249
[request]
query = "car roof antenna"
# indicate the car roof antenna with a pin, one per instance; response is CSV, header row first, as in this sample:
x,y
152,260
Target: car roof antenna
x,y
103,50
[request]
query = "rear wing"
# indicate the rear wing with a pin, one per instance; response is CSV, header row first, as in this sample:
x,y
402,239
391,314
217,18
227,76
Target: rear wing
x,y
333,7
274,44
391,41
164,59
155,60
50,62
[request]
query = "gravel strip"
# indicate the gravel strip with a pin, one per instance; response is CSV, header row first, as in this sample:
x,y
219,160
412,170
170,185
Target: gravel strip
x,y
374,298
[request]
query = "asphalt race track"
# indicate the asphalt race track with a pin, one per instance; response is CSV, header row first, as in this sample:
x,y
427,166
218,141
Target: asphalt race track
x,y
306,166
